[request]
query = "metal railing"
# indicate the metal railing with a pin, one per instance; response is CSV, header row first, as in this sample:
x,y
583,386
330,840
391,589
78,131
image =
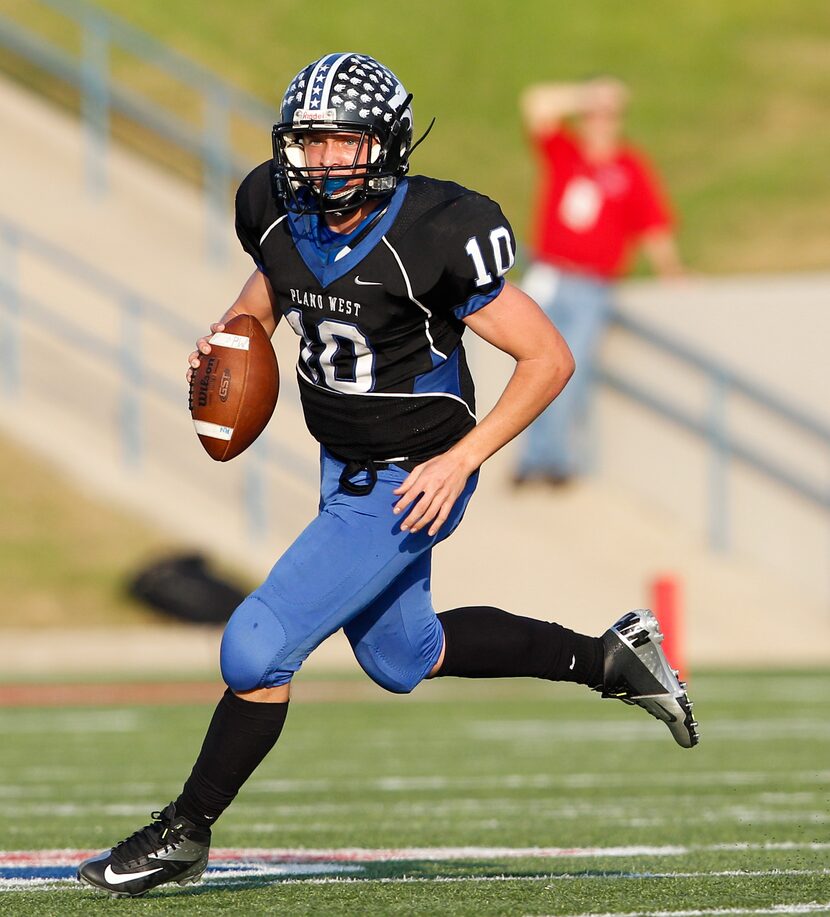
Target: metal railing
x,y
137,312
712,425
122,353
102,95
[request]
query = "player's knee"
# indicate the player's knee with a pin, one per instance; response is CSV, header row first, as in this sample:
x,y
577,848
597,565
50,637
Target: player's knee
x,y
401,678
251,646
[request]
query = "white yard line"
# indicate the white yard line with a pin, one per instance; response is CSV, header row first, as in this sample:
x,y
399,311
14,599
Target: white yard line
x,y
76,722
71,856
472,811
393,783
812,907
542,731
282,876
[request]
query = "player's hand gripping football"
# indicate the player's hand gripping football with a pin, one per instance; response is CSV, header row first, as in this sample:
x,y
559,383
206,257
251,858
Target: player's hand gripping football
x,y
430,491
202,348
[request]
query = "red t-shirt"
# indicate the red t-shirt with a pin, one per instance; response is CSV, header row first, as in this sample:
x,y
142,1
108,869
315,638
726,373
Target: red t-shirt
x,y
589,215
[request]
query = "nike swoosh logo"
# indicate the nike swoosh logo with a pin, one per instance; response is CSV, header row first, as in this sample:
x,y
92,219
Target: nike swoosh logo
x,y
368,283
573,663
667,717
115,878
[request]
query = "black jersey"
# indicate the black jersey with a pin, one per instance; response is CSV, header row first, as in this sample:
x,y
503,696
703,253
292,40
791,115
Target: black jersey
x,y
381,368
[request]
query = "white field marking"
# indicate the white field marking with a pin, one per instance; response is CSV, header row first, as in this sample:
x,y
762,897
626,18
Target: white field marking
x,y
771,845
795,689
213,430
621,820
79,721
286,869
268,855
48,772
374,855
231,341
401,784
396,784
234,877
216,877
800,796
621,808
549,730
812,907
550,877
760,816
465,811
230,876
53,790
459,807
74,809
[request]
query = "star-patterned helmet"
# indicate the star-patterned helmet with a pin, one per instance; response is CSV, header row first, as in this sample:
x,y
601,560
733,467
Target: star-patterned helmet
x,y
352,93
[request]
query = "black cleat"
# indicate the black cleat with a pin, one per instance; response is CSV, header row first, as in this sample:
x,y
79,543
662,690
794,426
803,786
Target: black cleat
x,y
171,849
637,672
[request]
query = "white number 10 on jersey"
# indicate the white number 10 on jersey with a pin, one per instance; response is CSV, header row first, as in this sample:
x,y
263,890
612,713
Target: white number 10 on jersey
x,y
503,255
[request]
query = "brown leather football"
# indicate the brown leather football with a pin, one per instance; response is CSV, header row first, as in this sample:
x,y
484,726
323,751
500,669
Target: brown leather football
x,y
234,391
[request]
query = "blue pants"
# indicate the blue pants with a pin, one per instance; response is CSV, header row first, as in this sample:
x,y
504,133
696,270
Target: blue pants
x,y
579,306
352,567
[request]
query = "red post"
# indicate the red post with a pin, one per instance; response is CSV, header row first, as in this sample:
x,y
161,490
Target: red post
x,y
667,604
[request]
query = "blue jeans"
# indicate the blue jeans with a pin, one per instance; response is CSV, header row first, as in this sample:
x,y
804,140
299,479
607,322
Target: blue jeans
x,y
579,306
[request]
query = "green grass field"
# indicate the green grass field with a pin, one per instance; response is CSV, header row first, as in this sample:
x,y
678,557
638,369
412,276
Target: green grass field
x,y
730,99
739,825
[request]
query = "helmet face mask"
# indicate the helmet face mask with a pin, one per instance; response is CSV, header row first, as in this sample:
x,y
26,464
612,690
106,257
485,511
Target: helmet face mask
x,y
349,94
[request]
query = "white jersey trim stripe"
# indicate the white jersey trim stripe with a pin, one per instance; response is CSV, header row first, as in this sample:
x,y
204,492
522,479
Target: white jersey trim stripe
x,y
329,391
432,346
275,223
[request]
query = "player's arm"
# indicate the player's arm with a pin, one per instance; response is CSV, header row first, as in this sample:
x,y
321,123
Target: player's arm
x,y
660,248
515,324
544,106
255,298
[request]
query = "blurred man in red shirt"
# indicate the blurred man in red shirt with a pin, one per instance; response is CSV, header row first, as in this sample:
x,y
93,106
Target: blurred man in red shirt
x,y
598,201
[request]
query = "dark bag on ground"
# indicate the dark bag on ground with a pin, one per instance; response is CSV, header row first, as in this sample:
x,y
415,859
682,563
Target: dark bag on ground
x,y
184,588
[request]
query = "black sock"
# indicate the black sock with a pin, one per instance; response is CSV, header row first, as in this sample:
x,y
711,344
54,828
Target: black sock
x,y
240,735
482,642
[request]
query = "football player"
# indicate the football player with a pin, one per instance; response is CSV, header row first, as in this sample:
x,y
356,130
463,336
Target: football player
x,y
379,275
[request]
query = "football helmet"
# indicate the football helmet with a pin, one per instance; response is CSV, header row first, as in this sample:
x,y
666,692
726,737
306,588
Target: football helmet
x,y
351,93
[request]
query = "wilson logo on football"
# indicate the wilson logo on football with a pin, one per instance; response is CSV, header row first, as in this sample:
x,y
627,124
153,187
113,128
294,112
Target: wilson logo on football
x,y
206,381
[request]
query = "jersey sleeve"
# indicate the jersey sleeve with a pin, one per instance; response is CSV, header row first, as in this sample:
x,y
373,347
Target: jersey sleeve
x,y
477,246
649,204
251,199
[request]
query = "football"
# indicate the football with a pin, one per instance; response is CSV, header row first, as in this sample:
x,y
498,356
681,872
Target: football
x,y
234,391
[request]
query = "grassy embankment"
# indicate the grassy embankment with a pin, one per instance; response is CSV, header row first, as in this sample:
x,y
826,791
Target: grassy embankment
x,y
730,100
